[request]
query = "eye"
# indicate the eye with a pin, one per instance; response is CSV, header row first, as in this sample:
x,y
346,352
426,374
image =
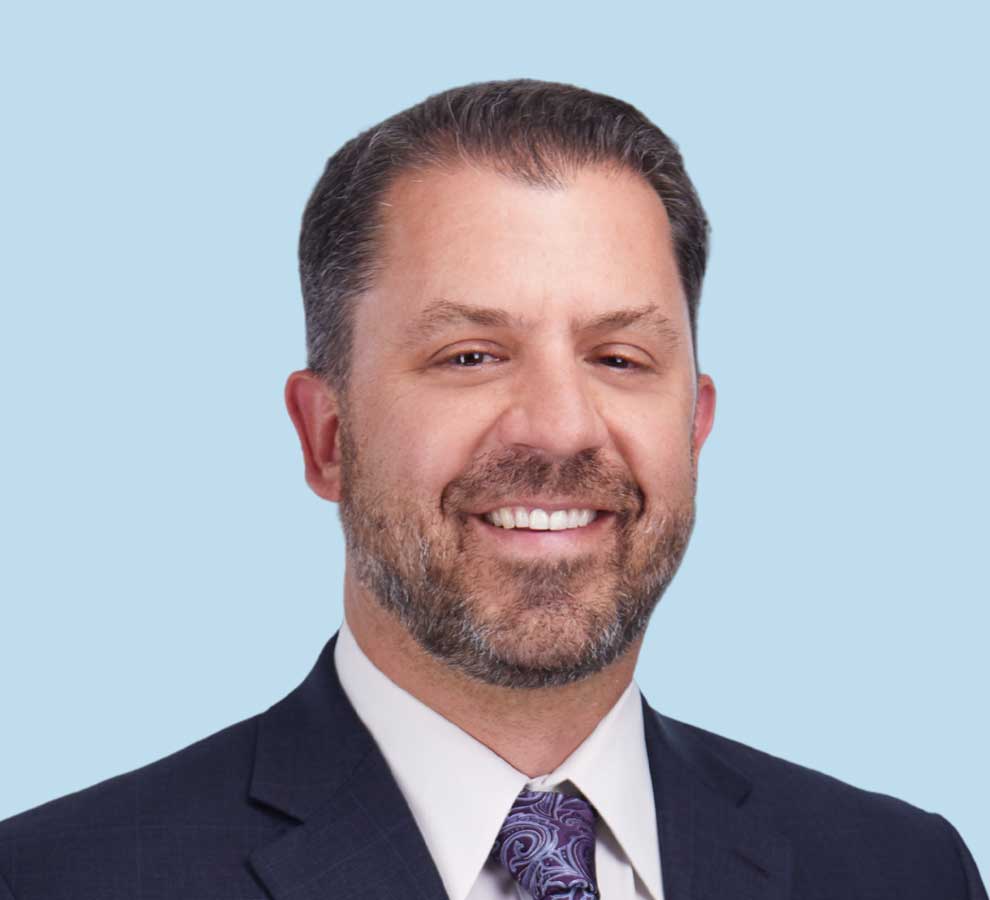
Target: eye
x,y
623,362
467,359
620,362
476,359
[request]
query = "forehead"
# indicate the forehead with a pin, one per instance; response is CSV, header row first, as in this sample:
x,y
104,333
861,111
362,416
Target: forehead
x,y
470,235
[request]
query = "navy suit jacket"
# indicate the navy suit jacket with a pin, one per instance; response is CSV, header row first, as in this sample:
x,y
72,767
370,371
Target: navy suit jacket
x,y
298,804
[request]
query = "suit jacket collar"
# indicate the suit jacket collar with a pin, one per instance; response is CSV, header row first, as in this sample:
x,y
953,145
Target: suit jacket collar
x,y
316,762
355,835
711,845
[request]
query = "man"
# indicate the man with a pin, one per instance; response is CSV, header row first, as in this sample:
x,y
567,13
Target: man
x,y
501,289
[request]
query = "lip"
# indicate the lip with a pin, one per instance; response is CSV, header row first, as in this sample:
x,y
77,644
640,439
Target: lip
x,y
546,505
527,544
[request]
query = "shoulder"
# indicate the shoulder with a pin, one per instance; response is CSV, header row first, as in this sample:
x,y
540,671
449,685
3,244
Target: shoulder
x,y
189,805
834,828
780,786
205,772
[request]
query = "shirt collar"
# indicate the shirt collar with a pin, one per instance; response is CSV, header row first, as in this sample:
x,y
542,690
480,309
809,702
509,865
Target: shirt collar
x,y
443,765
610,767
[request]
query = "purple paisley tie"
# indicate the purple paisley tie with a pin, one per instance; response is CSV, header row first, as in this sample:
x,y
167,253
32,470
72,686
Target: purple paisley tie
x,y
547,843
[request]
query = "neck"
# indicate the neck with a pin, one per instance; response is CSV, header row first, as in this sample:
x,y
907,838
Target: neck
x,y
534,730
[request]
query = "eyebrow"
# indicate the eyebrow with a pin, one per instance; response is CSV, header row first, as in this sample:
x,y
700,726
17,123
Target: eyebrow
x,y
443,313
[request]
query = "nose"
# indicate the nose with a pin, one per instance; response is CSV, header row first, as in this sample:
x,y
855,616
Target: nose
x,y
552,409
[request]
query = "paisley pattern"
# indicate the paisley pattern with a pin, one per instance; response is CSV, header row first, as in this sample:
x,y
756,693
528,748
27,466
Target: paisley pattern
x,y
548,844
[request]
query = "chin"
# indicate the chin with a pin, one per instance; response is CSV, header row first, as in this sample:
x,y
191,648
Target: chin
x,y
554,645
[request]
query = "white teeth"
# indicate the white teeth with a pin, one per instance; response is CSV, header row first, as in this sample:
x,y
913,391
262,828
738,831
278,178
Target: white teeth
x,y
540,519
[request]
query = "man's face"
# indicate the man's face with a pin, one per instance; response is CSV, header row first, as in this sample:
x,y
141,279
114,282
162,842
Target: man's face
x,y
523,350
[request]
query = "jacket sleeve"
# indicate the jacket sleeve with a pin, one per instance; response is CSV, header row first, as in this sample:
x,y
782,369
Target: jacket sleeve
x,y
5,892
976,890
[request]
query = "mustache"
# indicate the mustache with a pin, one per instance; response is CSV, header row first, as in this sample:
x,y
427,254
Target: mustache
x,y
588,474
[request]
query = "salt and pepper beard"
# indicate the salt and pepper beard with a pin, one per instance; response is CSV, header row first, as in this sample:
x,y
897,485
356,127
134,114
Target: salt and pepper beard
x,y
542,629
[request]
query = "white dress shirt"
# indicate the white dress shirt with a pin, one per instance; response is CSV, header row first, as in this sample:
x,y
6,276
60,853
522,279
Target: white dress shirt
x,y
460,792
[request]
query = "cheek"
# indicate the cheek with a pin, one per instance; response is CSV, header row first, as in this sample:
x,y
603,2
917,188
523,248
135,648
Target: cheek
x,y
673,472
418,453
657,450
650,426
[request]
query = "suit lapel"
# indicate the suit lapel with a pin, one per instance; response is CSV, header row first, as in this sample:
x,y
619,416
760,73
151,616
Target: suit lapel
x,y
351,833
316,763
711,846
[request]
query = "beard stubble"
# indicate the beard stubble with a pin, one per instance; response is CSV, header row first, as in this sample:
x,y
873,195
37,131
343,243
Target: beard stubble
x,y
513,623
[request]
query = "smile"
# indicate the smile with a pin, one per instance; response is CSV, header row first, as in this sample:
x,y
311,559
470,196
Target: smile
x,y
539,538
537,519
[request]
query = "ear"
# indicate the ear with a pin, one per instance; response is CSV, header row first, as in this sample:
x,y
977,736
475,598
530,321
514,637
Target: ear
x,y
315,411
704,413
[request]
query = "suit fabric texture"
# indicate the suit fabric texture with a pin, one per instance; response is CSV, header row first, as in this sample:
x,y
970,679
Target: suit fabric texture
x,y
297,803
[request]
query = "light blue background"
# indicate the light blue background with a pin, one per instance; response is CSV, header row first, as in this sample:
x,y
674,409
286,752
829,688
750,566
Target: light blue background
x,y
165,570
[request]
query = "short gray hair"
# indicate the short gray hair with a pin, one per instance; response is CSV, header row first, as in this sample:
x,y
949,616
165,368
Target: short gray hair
x,y
535,131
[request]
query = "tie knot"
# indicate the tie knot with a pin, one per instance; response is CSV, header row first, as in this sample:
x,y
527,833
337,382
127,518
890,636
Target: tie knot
x,y
547,843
